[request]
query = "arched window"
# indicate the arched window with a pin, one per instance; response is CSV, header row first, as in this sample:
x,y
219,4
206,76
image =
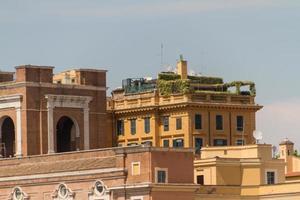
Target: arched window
x,y
7,137
67,135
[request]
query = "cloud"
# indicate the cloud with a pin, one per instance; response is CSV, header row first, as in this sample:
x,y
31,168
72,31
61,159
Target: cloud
x,y
280,120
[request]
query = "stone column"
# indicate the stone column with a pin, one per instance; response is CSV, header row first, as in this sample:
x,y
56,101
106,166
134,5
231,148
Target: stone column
x,y
86,126
19,132
50,129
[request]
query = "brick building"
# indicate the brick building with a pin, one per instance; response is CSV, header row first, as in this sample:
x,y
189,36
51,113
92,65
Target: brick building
x,y
38,116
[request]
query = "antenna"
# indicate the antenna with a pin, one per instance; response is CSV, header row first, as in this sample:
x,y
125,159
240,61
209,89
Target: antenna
x,y
161,54
258,136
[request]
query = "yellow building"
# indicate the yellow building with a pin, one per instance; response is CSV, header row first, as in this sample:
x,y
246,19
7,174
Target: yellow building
x,y
181,110
243,172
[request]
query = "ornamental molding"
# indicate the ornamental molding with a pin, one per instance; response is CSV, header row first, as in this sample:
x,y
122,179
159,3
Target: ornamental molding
x,y
18,194
62,192
10,101
68,101
99,191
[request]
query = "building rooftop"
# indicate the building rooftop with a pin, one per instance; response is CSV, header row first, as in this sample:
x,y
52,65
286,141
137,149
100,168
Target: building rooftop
x,y
180,82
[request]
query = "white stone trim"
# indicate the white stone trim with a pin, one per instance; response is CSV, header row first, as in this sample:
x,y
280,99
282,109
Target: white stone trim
x,y
137,198
24,194
61,174
14,101
68,101
134,163
156,169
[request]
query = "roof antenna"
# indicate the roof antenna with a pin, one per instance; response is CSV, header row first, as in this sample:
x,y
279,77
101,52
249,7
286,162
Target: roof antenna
x,y
161,54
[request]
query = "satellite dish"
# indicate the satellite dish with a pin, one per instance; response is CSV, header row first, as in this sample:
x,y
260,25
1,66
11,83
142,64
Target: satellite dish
x,y
258,136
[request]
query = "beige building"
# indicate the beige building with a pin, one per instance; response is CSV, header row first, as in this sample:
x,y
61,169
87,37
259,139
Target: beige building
x,y
181,110
243,172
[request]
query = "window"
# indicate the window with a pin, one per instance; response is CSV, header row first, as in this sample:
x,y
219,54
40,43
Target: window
x,y
219,122
161,175
178,143
220,142
240,142
178,123
133,126
135,168
200,180
166,123
132,144
240,123
166,143
198,144
198,121
147,125
270,177
120,127
147,143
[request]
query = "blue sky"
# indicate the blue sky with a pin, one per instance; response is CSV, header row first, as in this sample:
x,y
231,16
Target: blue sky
x,y
239,40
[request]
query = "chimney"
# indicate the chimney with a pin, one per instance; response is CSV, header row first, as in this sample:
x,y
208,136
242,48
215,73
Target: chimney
x,y
182,68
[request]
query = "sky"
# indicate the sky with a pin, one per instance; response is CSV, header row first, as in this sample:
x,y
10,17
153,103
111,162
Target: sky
x,y
257,40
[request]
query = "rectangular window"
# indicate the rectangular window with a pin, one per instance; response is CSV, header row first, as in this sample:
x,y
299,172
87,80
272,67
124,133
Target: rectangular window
x,y
161,176
178,123
178,143
198,121
200,180
133,126
240,123
220,142
136,170
166,123
166,143
270,178
219,122
198,144
147,143
120,127
132,144
240,142
147,125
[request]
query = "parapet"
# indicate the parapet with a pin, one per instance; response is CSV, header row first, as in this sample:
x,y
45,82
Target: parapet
x,y
90,77
6,76
34,73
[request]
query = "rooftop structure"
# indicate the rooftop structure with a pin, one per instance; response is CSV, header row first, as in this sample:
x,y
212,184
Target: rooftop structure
x,y
178,109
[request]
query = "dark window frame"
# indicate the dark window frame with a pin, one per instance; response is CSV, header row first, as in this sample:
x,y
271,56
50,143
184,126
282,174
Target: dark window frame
x,y
178,143
166,123
147,125
240,123
120,127
198,121
178,123
132,126
219,123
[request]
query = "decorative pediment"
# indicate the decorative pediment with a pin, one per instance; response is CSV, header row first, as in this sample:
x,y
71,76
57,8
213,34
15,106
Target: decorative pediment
x,y
62,192
18,194
99,192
